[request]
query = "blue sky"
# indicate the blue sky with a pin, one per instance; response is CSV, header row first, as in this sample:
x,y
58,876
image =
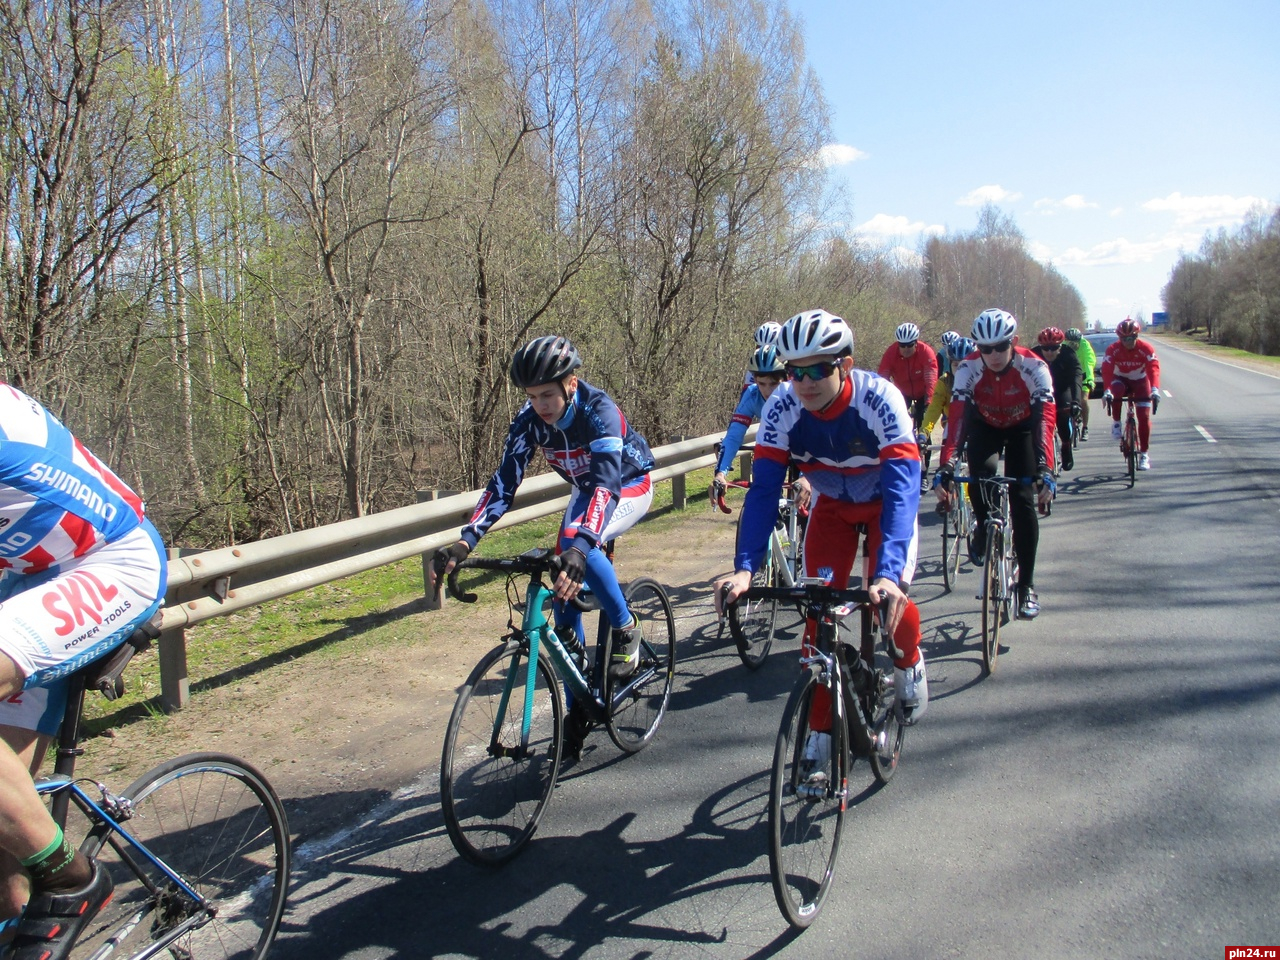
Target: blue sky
x,y
1115,133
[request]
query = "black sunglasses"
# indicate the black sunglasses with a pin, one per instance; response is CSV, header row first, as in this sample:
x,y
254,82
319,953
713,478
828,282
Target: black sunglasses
x,y
1000,347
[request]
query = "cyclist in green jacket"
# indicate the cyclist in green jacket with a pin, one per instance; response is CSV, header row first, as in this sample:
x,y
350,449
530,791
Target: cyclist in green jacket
x,y
1088,363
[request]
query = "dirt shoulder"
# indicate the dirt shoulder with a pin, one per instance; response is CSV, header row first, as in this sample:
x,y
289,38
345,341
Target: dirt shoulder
x,y
342,725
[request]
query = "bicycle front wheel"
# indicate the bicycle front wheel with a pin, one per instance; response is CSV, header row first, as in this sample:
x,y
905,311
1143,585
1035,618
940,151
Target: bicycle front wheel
x,y
993,590
888,731
496,779
215,822
639,702
804,821
753,622
1131,451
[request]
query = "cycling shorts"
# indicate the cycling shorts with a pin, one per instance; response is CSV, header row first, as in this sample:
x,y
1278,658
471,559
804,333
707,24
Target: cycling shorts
x,y
54,623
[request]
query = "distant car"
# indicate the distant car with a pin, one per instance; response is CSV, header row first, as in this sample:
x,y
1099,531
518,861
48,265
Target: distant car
x,y
1099,342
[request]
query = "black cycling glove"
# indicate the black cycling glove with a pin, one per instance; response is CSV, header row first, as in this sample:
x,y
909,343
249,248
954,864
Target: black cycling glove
x,y
455,551
573,563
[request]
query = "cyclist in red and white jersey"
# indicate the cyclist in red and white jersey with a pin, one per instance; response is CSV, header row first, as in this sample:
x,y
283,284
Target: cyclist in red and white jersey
x,y
82,569
1130,369
1002,402
911,365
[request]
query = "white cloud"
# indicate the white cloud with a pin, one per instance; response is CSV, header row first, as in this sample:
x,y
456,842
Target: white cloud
x,y
905,257
1124,251
1075,201
1039,251
992,193
1203,211
838,154
884,225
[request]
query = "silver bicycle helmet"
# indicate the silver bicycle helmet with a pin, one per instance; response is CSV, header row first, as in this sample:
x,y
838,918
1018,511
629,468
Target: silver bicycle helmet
x,y
815,333
907,334
767,333
994,326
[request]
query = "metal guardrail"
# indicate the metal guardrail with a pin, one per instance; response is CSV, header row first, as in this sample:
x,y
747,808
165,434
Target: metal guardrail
x,y
222,581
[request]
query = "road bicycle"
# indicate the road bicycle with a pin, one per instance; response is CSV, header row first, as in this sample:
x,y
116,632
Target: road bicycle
x,y
1077,423
1128,437
999,585
957,529
846,691
507,735
782,567
198,847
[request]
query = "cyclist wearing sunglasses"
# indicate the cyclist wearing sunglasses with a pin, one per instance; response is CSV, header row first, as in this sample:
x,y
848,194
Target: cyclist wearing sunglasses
x,y
849,432
1130,368
911,365
1002,402
767,370
1064,368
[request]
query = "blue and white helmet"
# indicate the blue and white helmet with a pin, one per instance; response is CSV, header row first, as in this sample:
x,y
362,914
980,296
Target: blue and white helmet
x,y
907,334
960,347
766,360
767,333
950,337
815,333
994,326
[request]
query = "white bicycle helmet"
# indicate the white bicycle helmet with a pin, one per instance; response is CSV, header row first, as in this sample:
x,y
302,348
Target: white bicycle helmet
x,y
950,337
815,333
907,334
994,326
767,333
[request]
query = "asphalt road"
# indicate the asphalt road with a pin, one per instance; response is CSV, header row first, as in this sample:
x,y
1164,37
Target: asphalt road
x,y
1112,791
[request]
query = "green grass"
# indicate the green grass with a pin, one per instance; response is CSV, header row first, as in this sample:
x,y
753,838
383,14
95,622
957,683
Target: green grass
x,y
363,611
1198,335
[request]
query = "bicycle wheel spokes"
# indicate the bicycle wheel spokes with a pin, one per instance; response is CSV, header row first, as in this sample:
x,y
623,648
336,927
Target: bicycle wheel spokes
x,y
753,622
887,729
1131,450
496,780
216,822
804,825
640,701
993,589
951,547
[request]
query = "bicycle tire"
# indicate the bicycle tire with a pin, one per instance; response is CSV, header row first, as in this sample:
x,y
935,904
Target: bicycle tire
x,y
493,792
214,820
993,588
753,623
804,833
880,704
1131,450
951,547
640,701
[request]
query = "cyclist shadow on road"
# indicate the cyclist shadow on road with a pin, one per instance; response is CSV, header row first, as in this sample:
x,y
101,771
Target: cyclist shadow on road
x,y
564,896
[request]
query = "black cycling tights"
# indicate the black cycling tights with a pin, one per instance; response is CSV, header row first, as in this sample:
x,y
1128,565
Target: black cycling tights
x,y
985,444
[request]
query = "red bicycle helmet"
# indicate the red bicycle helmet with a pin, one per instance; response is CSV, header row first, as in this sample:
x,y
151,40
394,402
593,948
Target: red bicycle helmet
x,y
1051,337
1128,327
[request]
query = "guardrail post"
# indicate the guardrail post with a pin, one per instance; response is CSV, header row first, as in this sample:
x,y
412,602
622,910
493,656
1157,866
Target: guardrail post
x,y
175,684
745,461
432,601
679,497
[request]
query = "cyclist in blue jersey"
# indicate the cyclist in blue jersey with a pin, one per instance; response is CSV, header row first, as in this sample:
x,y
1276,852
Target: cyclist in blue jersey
x,y
82,568
588,442
767,370
850,433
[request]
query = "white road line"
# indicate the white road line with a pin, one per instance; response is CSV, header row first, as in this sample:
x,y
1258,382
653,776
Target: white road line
x,y
1205,433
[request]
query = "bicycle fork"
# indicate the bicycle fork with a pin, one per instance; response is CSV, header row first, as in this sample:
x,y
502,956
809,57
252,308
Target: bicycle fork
x,y
829,709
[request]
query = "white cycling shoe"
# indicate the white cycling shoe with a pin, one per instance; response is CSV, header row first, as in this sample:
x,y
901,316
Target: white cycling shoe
x,y
1115,430
911,684
1144,462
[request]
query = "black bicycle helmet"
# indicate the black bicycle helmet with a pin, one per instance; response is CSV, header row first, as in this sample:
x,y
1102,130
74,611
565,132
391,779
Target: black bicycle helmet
x,y
544,360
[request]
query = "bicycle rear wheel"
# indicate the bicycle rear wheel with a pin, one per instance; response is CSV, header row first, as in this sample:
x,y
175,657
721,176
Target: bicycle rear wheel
x,y
494,784
640,701
215,821
804,831
993,590
952,532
